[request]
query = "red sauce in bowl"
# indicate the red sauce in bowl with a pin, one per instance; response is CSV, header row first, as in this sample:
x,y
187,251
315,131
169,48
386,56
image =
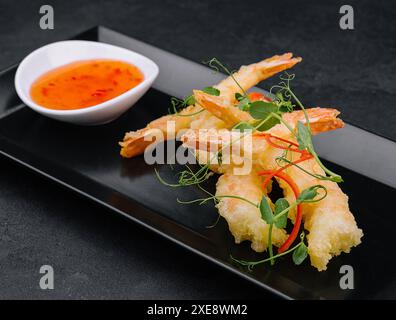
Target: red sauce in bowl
x,y
84,84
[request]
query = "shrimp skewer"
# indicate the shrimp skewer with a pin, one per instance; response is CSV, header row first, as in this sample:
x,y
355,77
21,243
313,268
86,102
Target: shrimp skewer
x,y
135,142
332,227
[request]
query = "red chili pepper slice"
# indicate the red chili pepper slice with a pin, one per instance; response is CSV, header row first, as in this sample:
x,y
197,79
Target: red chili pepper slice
x,y
305,155
255,96
268,137
297,223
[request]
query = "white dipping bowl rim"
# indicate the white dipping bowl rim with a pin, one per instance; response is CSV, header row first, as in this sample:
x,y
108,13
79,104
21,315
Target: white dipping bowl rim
x,y
23,88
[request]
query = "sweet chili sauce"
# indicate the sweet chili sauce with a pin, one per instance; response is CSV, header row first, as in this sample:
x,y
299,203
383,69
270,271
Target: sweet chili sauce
x,y
83,84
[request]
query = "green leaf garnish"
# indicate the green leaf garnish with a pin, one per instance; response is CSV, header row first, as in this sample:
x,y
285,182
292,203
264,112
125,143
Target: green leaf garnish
x,y
303,136
309,194
300,254
266,115
284,104
261,109
284,95
336,179
178,105
268,124
243,126
266,212
251,264
189,101
281,205
244,104
212,91
238,96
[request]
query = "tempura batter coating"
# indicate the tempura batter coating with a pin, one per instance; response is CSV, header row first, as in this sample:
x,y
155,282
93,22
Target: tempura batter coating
x,y
332,227
244,220
134,142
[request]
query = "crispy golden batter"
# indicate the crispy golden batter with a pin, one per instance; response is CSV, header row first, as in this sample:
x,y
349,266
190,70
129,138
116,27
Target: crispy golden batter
x,y
332,227
244,220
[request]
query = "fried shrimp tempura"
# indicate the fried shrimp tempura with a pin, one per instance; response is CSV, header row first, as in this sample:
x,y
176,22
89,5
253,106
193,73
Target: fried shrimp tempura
x,y
249,76
244,220
135,142
206,126
332,227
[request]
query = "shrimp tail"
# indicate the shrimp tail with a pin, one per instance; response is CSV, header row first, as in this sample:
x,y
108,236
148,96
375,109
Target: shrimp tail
x,y
320,119
218,107
249,76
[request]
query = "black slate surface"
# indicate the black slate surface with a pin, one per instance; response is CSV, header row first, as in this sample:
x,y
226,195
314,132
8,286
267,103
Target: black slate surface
x,y
98,255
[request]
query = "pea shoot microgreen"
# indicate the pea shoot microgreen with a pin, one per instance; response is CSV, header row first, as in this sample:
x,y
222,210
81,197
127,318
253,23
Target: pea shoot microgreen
x,y
244,104
188,177
266,211
178,105
281,205
239,97
271,112
268,216
300,254
278,217
299,257
212,91
310,194
216,65
260,110
304,133
243,126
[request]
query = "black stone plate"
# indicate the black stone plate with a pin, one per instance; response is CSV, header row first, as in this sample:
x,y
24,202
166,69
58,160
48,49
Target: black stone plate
x,y
86,160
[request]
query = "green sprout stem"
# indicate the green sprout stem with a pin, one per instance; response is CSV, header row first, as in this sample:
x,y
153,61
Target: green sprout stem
x,y
228,72
314,175
333,176
251,264
271,253
283,212
204,200
302,108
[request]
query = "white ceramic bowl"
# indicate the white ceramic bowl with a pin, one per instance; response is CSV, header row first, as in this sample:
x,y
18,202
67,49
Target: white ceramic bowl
x,y
60,53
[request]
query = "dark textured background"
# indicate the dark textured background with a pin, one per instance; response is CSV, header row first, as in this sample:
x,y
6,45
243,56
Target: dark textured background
x,y
99,255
